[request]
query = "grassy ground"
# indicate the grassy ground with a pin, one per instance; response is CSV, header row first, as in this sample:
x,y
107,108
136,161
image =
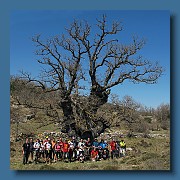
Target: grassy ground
x,y
146,153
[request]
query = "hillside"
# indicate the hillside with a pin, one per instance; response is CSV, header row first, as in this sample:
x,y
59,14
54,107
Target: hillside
x,y
150,151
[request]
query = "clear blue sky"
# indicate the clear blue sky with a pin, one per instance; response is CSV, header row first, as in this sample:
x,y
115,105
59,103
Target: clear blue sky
x,y
154,26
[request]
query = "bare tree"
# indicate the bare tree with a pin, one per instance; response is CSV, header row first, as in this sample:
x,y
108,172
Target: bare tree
x,y
110,64
63,72
162,114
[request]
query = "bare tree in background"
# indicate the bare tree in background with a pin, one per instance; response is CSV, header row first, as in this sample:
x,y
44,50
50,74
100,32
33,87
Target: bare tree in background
x,y
162,114
109,63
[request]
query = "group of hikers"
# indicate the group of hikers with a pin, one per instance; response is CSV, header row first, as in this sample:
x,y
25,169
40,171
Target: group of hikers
x,y
52,150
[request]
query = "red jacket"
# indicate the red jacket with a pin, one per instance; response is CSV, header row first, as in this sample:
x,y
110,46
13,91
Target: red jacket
x,y
65,147
113,145
94,153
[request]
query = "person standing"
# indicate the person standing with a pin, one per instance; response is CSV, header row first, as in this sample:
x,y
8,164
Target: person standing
x,y
65,149
31,149
57,151
112,148
25,151
88,145
61,143
75,143
53,142
48,151
37,150
122,148
42,150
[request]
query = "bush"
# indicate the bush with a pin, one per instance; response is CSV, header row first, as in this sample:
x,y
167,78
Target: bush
x,y
143,127
148,119
140,127
165,125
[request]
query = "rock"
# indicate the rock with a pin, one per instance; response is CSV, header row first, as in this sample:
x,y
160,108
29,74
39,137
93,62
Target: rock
x,y
30,116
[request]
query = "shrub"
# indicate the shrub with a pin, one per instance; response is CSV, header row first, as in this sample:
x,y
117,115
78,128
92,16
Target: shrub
x,y
165,125
148,119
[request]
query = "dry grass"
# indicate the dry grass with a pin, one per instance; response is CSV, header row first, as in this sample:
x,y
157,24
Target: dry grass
x,y
154,157
147,153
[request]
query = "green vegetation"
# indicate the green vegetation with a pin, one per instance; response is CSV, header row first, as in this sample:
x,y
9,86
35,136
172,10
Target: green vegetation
x,y
146,154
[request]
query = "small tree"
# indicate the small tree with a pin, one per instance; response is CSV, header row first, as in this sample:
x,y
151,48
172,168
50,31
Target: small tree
x,y
162,114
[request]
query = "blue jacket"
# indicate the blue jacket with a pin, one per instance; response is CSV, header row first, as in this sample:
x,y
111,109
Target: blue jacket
x,y
95,143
